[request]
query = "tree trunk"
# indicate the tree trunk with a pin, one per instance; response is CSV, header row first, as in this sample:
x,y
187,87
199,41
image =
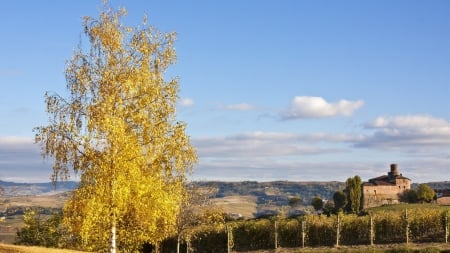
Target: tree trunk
x,y
113,237
178,243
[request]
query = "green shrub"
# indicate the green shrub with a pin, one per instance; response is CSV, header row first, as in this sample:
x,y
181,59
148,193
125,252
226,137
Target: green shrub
x,y
400,250
428,250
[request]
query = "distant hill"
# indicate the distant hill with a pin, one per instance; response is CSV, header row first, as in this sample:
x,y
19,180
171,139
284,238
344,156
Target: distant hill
x,y
12,189
444,185
275,192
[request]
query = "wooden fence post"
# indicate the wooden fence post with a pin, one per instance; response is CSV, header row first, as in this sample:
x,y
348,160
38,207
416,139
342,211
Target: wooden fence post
x,y
372,234
303,233
338,230
407,226
230,241
276,234
446,227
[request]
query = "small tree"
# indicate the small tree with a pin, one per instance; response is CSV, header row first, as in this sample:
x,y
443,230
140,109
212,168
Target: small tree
x,y
425,193
329,208
40,231
340,200
353,189
409,196
317,203
295,201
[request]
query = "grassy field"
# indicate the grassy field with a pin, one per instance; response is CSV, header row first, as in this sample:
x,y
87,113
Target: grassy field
x,y
10,225
52,201
7,248
413,248
244,205
8,228
410,248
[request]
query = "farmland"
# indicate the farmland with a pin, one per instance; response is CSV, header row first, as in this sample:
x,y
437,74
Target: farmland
x,y
13,208
412,248
249,199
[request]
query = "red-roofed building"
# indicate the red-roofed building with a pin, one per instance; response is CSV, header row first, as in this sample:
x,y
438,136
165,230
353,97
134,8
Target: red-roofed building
x,y
385,189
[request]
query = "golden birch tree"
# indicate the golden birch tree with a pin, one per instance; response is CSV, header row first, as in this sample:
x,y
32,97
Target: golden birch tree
x,y
117,130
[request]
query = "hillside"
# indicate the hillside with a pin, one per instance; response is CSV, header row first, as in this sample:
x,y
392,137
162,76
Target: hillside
x,y
277,192
437,185
247,199
12,189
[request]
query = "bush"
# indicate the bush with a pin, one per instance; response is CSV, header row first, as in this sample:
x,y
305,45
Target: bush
x,y
40,231
254,235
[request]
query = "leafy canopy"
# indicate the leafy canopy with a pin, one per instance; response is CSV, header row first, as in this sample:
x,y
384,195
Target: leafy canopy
x,y
317,203
117,129
425,193
353,189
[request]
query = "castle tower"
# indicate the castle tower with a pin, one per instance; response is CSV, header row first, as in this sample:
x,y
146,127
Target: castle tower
x,y
394,172
394,169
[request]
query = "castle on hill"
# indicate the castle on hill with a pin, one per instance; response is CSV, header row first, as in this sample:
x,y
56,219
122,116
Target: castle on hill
x,y
385,189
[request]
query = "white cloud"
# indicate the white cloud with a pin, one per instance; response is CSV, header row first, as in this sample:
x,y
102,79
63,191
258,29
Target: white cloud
x,y
186,102
418,143
411,132
419,171
14,143
265,144
20,160
239,107
317,107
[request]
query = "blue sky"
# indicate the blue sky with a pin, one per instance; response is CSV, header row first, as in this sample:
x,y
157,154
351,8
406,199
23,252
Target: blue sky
x,y
270,90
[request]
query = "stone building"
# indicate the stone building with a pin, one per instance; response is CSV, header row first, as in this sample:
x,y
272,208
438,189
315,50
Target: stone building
x,y
385,189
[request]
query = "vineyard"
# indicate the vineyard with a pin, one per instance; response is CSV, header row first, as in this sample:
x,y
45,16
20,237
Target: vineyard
x,y
419,225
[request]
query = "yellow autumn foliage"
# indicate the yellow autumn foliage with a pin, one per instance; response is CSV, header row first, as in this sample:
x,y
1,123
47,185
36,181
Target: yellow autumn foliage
x,y
117,129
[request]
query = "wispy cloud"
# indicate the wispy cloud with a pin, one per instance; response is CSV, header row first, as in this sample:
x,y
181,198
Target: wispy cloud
x,y
330,156
260,155
186,102
317,107
303,170
238,107
20,160
270,170
411,132
264,144
16,143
